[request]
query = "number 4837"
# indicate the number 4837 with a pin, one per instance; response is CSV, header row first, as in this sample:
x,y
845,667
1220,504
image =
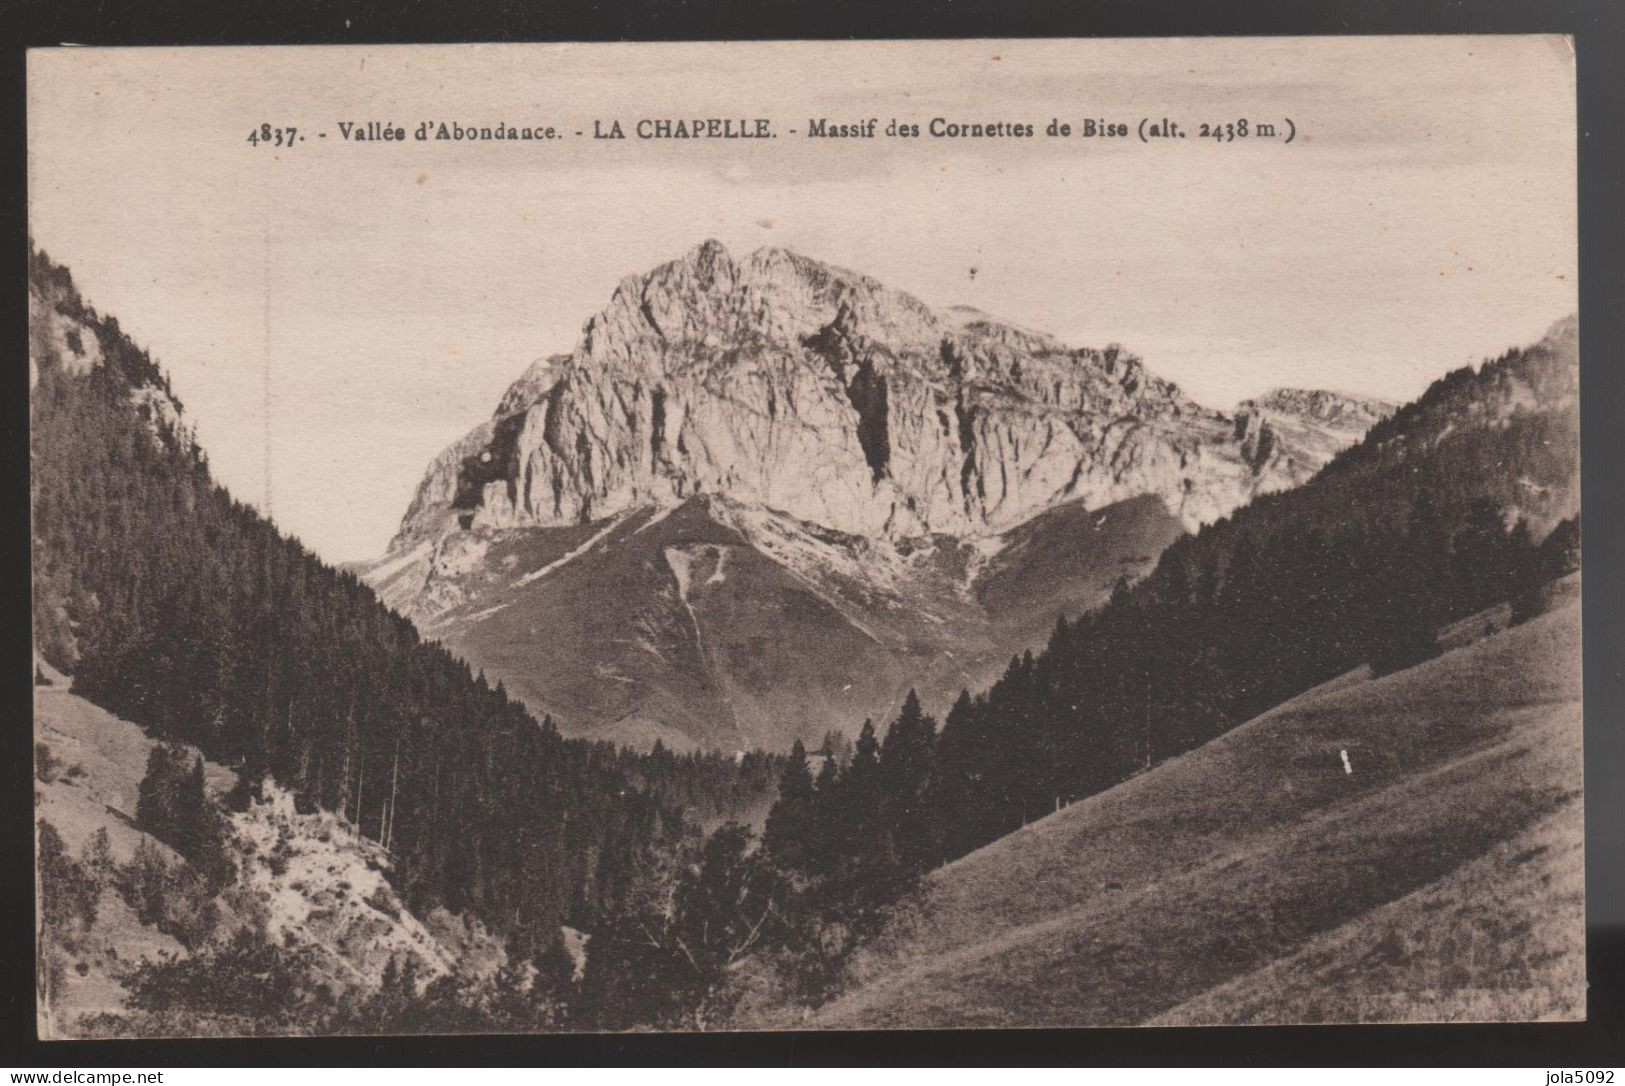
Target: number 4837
x,y
274,137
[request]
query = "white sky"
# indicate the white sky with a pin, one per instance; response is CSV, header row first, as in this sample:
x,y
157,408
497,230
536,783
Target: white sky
x,y
1423,218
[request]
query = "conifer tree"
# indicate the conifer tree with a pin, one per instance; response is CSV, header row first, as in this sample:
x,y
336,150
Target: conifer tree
x,y
963,806
1482,557
826,840
859,801
788,834
905,772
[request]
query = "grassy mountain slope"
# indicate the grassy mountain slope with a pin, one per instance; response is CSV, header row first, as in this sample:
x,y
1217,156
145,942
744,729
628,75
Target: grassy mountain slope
x,y
719,626
102,759
1065,561
1496,940
701,638
1226,865
306,880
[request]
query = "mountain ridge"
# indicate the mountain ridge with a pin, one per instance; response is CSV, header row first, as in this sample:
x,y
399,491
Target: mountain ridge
x,y
735,376
877,453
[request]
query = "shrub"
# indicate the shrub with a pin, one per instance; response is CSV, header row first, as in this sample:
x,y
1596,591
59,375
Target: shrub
x,y
46,764
98,860
247,982
67,891
174,807
171,897
277,861
384,902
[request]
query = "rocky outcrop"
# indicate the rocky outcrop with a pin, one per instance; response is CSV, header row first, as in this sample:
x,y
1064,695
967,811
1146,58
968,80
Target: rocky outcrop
x,y
779,381
65,337
1338,410
1299,429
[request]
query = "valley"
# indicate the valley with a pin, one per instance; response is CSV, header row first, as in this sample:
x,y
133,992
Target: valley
x,y
1204,717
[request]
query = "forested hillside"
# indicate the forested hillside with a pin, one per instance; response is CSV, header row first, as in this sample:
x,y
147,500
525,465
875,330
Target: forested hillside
x,y
179,608
1467,497
1256,880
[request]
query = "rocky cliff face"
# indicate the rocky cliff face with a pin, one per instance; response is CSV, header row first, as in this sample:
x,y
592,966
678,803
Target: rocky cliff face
x,y
779,381
883,455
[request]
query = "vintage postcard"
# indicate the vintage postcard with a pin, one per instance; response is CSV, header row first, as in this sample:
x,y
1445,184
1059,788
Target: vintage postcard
x,y
805,535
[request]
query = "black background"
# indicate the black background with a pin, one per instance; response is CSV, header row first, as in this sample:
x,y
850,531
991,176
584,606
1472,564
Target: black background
x,y
1600,45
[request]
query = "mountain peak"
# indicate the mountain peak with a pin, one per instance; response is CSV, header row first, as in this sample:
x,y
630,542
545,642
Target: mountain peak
x,y
707,250
780,381
711,261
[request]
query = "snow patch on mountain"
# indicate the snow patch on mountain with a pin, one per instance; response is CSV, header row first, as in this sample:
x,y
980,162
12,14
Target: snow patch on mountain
x,y
571,556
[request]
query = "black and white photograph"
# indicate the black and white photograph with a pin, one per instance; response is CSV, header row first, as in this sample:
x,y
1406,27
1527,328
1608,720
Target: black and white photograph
x,y
805,536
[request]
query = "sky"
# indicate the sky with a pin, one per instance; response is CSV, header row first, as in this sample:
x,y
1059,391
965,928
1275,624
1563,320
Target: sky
x,y
334,314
